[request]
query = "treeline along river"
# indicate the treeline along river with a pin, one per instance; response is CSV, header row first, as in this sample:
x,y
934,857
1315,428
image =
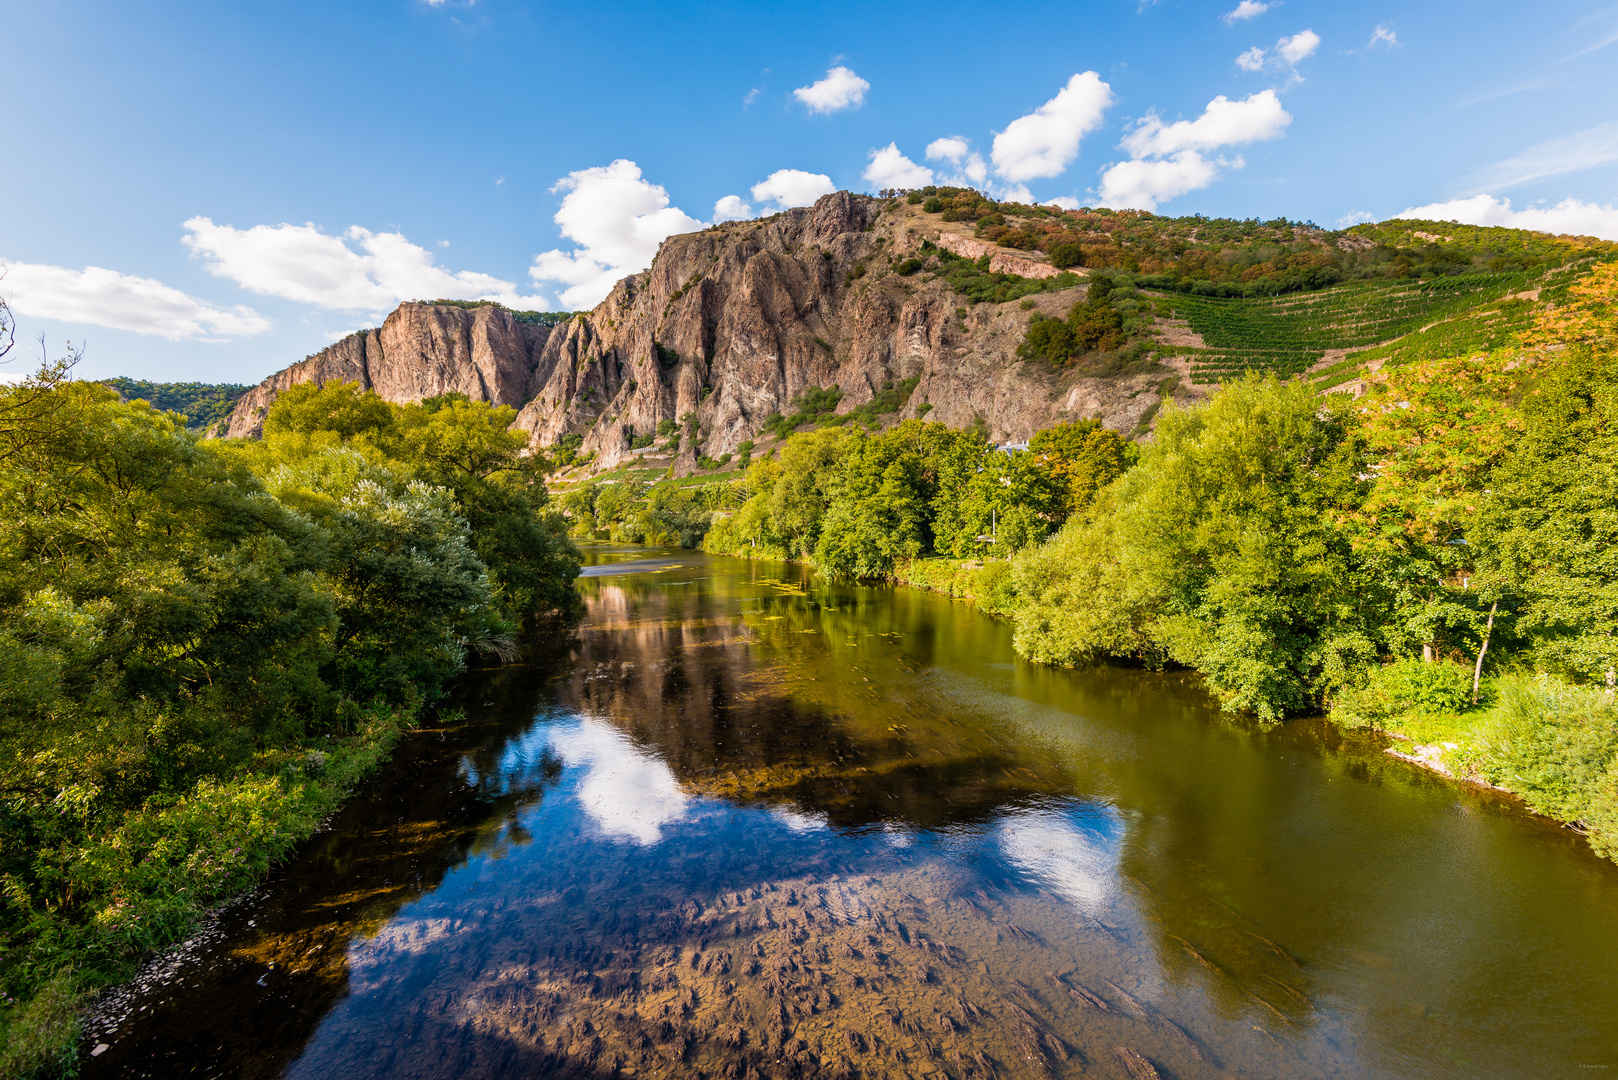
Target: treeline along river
x,y
749,823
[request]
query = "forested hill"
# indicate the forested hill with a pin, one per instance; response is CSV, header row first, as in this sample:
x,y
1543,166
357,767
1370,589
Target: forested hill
x,y
202,404
946,304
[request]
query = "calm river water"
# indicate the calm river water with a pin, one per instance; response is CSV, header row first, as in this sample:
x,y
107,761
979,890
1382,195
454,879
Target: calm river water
x,y
749,824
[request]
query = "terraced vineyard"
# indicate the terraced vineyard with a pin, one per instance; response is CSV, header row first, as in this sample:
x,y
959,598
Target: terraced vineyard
x,y
1289,334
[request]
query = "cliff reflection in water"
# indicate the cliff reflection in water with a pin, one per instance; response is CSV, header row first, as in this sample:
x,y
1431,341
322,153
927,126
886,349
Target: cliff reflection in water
x,y
755,825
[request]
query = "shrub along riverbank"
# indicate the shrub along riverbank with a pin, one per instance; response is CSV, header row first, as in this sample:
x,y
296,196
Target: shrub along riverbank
x,y
1437,559
204,645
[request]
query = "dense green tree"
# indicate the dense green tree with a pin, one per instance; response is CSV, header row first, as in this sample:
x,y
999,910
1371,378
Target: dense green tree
x,y
1224,546
1082,458
339,408
193,632
1548,530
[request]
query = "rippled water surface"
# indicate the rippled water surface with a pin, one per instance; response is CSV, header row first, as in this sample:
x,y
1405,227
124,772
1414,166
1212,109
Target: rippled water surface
x,y
748,824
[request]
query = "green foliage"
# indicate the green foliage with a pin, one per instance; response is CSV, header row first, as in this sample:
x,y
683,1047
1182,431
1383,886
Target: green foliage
x,y
985,581
890,399
202,404
1092,323
876,509
1548,527
534,318
815,405
1222,257
1557,746
203,644
1082,458
342,409
1217,552
567,448
864,505
40,1037
1064,255
634,512
1403,687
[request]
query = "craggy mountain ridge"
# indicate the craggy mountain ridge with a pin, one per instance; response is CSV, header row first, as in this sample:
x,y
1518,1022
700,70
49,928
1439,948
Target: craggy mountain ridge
x,y
729,326
923,304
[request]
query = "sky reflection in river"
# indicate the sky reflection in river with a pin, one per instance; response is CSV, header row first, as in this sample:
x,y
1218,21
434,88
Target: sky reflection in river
x,y
754,825
628,792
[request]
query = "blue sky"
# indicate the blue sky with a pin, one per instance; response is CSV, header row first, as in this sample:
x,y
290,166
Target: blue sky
x,y
211,191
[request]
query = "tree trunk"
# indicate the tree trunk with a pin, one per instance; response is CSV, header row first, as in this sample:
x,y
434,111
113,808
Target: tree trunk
x,y
1477,672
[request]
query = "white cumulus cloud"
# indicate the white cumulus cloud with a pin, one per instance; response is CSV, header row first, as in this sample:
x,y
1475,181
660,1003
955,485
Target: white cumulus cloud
x,y
1288,53
1574,216
732,208
1247,9
104,297
1142,185
1223,123
1170,159
891,169
302,263
840,89
1384,37
786,188
969,165
1299,47
951,148
617,219
1066,202
1042,143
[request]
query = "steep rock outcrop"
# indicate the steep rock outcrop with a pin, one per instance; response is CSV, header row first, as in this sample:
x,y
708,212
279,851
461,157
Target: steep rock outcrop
x,y
730,325
420,351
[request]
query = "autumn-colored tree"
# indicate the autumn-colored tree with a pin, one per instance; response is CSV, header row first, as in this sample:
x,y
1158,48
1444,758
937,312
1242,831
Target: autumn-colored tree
x,y
1590,317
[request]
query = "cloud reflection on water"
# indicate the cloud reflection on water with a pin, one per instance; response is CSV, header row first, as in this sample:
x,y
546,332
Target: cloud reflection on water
x,y
1078,864
629,793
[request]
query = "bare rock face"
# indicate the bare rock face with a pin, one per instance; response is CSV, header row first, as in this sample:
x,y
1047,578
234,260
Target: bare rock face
x,y
421,351
1001,260
729,326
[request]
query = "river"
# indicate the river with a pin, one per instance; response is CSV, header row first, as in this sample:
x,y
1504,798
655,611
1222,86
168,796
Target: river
x,y
747,823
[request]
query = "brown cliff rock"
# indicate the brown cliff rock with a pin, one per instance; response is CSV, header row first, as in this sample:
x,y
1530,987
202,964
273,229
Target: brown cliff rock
x,y
729,326
420,351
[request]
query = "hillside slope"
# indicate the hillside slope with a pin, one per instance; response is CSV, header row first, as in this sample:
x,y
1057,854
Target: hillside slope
x,y
921,306
730,326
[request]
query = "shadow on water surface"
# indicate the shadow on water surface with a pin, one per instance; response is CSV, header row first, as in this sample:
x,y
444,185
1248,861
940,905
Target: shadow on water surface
x,y
749,824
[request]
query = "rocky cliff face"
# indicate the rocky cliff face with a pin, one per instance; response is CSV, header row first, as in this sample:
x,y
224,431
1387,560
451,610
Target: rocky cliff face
x,y
730,325
421,350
